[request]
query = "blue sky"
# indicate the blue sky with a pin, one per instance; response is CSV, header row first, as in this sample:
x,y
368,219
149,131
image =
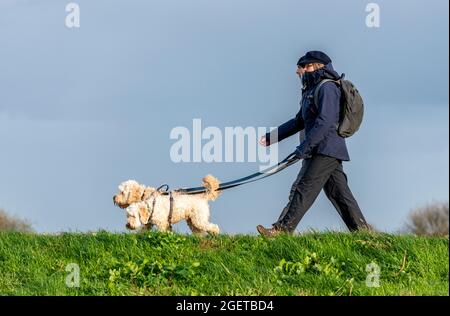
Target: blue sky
x,y
83,109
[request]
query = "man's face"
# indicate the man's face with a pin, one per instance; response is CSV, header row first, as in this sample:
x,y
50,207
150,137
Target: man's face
x,y
300,71
309,68
304,68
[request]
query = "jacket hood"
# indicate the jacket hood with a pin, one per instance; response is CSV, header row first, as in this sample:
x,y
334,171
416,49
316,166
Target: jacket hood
x,y
328,72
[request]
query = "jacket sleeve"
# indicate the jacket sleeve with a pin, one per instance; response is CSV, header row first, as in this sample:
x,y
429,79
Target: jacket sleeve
x,y
328,109
286,129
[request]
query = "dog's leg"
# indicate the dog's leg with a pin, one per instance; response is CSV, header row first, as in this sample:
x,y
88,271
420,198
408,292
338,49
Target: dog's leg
x,y
201,223
148,226
213,229
194,229
163,227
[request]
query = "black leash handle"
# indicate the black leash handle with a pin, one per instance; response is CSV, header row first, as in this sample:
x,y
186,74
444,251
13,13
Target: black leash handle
x,y
253,179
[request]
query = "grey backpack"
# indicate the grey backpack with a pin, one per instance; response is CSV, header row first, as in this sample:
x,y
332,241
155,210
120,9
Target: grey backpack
x,y
352,106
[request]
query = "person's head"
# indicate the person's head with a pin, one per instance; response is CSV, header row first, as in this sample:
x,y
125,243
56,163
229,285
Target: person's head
x,y
311,61
300,71
310,67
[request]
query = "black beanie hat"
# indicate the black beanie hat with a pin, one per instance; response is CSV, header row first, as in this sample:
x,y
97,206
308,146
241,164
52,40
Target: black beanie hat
x,y
314,57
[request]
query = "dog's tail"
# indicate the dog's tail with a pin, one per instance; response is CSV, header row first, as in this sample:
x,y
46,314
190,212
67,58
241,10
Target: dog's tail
x,y
211,184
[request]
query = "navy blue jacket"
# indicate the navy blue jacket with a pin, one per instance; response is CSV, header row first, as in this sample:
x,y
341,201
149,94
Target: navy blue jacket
x,y
319,121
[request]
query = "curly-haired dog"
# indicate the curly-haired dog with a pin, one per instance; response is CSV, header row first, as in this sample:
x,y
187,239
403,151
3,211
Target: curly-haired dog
x,y
146,206
132,192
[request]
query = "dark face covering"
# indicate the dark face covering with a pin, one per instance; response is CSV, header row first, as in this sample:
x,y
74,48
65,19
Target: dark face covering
x,y
308,79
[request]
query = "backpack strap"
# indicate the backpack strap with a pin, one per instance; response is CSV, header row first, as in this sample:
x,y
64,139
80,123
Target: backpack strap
x,y
316,91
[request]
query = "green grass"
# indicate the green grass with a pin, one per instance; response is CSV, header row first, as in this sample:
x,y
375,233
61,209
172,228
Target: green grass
x,y
171,264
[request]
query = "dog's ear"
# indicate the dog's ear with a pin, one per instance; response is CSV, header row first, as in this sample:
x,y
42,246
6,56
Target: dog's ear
x,y
136,191
143,213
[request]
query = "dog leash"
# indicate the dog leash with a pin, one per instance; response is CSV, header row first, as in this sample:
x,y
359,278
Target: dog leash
x,y
286,162
289,160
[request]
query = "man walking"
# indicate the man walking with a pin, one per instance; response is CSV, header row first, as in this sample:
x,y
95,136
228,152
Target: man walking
x,y
322,149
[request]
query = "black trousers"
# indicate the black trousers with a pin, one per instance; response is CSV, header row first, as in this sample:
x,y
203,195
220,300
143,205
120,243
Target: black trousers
x,y
317,173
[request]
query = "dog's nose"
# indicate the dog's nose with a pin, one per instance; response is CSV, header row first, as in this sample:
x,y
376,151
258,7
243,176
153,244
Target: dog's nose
x,y
128,226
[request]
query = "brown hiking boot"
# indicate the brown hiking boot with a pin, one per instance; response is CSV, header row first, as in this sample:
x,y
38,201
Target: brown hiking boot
x,y
269,232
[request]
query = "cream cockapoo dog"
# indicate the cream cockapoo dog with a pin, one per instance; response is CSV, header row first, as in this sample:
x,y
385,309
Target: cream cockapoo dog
x,y
145,206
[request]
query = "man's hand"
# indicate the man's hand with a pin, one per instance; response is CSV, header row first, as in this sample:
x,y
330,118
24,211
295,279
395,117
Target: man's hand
x,y
299,154
263,141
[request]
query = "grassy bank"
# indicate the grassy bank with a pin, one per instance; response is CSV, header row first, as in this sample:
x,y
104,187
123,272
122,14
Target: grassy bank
x,y
170,264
